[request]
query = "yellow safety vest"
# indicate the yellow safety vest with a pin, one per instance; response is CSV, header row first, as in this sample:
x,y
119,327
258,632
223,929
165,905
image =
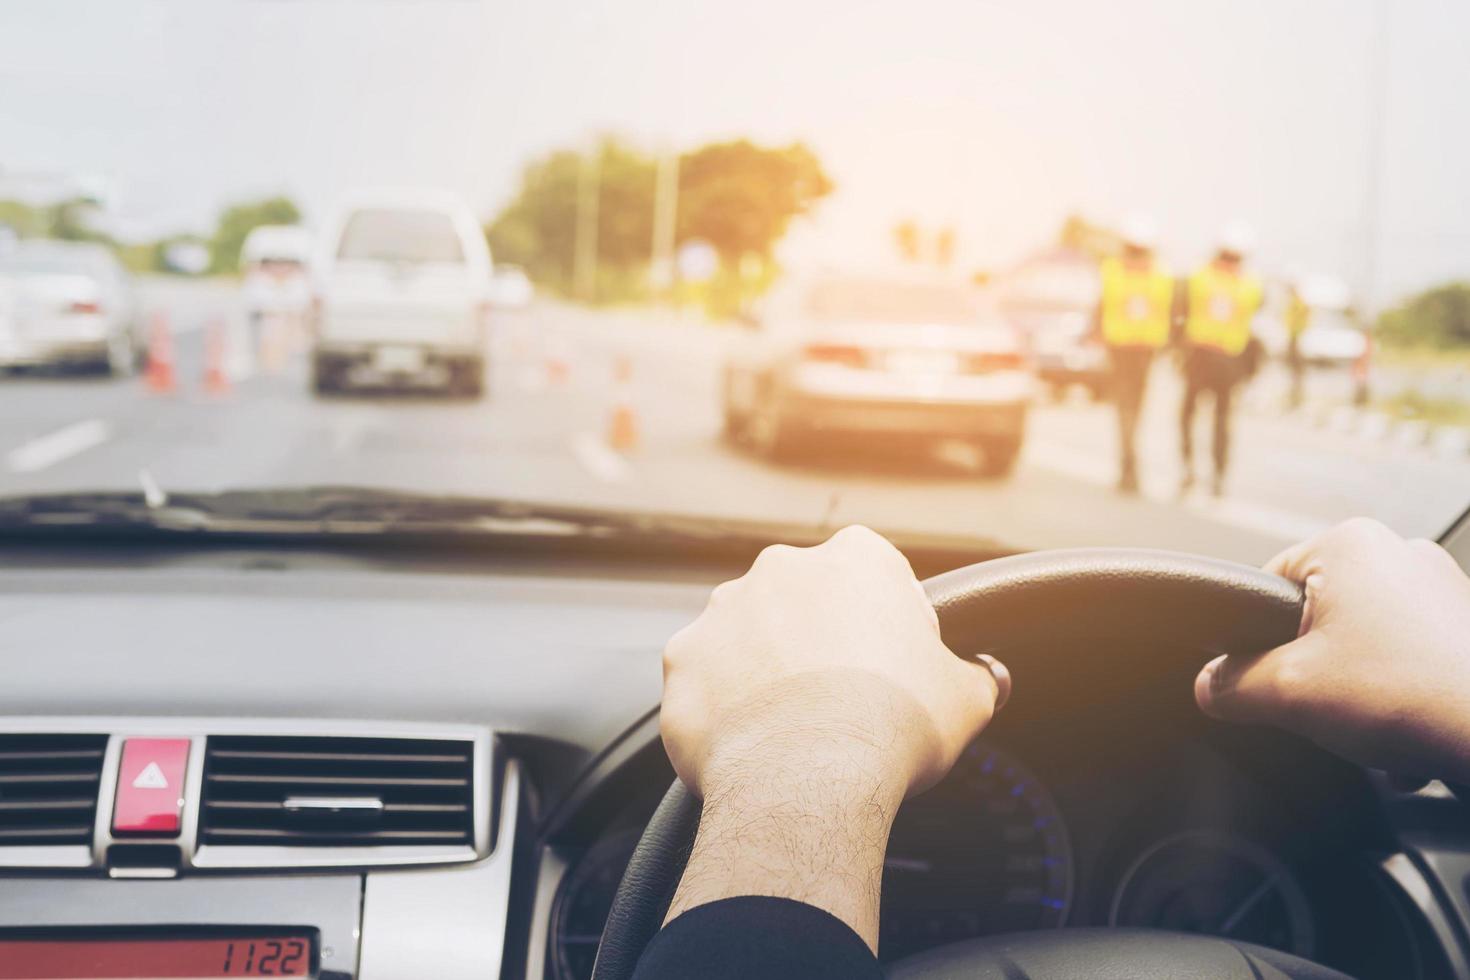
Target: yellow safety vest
x,y
1136,304
1220,309
1298,315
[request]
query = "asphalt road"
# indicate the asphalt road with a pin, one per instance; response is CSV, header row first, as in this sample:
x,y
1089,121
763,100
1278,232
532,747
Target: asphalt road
x,y
541,435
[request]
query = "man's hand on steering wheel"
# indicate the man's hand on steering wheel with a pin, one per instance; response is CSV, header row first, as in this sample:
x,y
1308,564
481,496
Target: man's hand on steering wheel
x,y
813,688
1381,671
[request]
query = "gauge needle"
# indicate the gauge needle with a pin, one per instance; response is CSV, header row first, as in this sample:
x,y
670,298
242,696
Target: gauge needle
x,y
1242,910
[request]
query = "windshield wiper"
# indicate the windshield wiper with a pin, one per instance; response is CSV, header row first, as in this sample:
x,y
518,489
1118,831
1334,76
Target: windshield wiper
x,y
345,514
330,510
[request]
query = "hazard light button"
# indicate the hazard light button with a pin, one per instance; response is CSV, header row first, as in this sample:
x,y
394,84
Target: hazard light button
x,y
150,786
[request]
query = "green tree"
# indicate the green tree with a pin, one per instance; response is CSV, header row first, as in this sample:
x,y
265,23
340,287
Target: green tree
x,y
24,219
1438,317
239,220
741,198
737,196
538,228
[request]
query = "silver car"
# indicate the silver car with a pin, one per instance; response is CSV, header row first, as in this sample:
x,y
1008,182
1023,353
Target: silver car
x,y
896,357
67,304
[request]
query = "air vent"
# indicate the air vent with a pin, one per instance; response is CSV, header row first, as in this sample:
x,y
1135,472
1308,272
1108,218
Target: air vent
x,y
48,788
337,792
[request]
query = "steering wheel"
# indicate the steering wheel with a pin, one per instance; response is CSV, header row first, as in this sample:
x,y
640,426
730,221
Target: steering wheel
x,y
1201,607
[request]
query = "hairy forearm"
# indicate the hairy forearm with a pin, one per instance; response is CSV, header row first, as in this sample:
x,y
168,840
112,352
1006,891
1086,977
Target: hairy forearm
x,y
808,823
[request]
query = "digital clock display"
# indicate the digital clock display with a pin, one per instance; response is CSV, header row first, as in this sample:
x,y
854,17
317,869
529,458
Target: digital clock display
x,y
123,957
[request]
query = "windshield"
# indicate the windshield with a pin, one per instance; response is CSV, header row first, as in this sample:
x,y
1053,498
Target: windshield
x,y
697,222
400,236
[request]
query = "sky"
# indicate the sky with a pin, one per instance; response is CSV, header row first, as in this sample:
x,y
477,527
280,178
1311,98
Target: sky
x,y
998,118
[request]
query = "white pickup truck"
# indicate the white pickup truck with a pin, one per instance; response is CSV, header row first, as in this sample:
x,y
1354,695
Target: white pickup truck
x,y
403,288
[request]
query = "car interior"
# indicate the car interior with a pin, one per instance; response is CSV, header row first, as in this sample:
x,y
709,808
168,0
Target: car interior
x,y
383,383
437,758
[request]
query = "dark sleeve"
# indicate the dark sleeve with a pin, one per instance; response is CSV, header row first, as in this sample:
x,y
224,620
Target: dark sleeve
x,y
771,938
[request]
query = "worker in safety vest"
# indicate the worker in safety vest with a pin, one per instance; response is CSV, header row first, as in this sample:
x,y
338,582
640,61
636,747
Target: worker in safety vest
x,y
1298,318
1220,301
1134,314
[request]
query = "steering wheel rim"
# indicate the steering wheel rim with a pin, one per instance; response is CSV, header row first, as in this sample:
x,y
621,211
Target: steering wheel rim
x,y
1202,605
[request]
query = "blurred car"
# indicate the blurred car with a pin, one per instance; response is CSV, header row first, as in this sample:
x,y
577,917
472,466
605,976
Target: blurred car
x,y
67,304
274,261
402,294
1331,339
1052,298
875,356
511,288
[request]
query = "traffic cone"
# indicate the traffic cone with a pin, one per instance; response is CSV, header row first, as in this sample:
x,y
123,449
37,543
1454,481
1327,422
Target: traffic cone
x,y
160,376
622,427
216,369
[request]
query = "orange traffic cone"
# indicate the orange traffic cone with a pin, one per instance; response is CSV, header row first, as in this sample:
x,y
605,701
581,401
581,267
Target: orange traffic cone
x,y
622,428
160,376
216,369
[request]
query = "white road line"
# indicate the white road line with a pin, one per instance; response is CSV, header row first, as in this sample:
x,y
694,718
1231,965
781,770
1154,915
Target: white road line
x,y
50,449
601,460
1227,510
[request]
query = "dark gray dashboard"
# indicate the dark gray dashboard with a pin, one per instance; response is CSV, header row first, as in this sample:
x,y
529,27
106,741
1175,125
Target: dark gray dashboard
x,y
556,660
573,657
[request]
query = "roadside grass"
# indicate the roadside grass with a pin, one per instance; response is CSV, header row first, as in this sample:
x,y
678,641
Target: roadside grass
x,y
1424,358
1437,410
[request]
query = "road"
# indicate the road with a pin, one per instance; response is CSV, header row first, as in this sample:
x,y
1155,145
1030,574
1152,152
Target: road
x,y
540,435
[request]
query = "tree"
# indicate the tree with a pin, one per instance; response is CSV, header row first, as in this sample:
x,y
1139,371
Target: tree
x,y
23,219
1438,317
240,220
741,198
68,219
538,228
737,196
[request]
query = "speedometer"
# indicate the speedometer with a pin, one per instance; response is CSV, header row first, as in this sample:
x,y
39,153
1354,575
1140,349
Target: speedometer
x,y
983,852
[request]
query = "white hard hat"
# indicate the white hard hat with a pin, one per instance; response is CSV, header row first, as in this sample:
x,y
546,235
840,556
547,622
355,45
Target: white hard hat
x,y
1237,238
1139,231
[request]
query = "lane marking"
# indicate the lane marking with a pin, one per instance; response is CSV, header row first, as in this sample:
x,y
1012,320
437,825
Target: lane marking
x,y
50,449
1232,511
601,460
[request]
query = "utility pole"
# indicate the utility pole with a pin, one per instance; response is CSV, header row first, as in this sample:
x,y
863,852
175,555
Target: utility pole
x,y
1377,116
665,219
584,251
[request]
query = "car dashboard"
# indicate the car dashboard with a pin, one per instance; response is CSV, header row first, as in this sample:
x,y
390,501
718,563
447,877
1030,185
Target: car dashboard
x,y
387,766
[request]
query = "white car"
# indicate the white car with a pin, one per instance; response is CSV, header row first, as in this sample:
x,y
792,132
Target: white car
x,y
402,294
274,261
876,356
67,304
